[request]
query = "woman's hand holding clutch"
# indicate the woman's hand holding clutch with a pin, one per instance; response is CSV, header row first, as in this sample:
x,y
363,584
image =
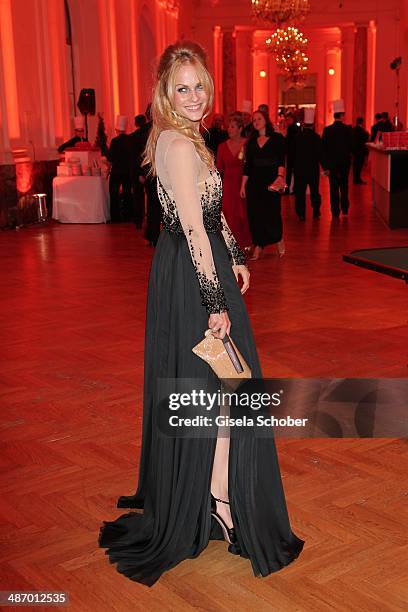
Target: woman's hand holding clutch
x,y
219,324
278,185
243,272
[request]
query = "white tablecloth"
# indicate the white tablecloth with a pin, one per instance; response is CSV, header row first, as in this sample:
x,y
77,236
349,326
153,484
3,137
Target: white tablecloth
x,y
80,199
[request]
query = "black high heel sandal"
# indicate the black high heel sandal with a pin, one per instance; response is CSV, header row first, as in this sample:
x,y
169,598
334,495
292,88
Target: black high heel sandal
x,y
229,533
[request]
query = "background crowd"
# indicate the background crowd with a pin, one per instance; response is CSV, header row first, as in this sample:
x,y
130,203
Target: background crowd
x,y
259,162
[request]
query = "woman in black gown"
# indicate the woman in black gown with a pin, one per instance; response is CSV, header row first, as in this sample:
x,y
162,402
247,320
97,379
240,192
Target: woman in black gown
x,y
193,286
264,167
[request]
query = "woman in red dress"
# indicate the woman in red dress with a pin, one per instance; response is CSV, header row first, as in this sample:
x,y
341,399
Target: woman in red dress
x,y
230,163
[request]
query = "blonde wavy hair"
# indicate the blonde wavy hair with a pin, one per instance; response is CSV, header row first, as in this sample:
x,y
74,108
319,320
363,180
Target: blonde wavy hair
x,y
164,116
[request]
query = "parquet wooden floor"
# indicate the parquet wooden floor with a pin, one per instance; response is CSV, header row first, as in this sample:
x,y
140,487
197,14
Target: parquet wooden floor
x,y
72,311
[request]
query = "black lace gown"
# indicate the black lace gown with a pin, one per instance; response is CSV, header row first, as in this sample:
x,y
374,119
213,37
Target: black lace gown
x,y
264,206
191,277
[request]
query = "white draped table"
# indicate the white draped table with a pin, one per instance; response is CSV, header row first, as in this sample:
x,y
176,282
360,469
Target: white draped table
x,y
80,199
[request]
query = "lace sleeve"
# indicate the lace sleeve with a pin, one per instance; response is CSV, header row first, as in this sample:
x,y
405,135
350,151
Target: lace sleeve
x,y
237,256
181,164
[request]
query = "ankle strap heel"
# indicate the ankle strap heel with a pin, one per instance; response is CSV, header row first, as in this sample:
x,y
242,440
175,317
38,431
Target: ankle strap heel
x,y
229,532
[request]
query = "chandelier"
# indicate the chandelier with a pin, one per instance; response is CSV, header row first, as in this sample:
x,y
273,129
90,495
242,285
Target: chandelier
x,y
289,47
280,11
171,6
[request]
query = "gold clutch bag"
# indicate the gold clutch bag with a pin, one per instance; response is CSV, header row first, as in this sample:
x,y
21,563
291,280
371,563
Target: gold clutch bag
x,y
224,358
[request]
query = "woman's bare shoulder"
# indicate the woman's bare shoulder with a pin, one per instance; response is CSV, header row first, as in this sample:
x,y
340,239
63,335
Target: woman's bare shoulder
x,y
172,134
174,140
176,145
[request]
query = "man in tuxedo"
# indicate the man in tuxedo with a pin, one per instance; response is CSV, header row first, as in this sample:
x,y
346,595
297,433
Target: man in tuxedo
x,y
79,131
386,123
292,130
376,127
153,208
307,156
247,130
382,124
264,108
360,152
216,133
337,143
137,143
119,155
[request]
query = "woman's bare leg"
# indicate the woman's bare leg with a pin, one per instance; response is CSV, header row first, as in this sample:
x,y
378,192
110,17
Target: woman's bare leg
x,y
219,479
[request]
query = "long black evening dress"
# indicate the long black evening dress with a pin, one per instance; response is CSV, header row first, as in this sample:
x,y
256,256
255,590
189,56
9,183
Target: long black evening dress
x,y
264,207
191,277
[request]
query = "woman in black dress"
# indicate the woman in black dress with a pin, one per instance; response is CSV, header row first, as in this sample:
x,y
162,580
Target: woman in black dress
x,y
190,486
262,183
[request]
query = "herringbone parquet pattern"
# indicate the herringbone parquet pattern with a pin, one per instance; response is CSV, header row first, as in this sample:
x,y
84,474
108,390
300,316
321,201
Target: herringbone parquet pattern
x,y
72,310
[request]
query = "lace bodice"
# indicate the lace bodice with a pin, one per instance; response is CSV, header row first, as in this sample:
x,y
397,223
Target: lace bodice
x,y
190,196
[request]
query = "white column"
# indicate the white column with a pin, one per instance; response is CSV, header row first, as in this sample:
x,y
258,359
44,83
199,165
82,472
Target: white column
x,y
371,45
6,156
109,63
218,97
57,51
243,43
45,92
273,97
134,60
260,70
9,112
332,81
347,69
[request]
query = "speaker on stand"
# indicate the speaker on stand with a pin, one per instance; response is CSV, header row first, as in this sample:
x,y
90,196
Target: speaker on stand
x,y
86,104
396,65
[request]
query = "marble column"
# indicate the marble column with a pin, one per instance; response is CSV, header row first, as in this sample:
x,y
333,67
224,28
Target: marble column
x,y
333,81
371,44
347,69
273,88
218,71
260,65
45,81
243,45
6,156
229,69
9,108
360,72
109,62
135,77
59,69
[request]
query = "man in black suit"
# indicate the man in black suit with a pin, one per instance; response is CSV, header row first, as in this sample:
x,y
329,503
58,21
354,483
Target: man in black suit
x,y
386,123
337,143
382,124
264,108
292,130
119,155
216,133
376,127
153,208
307,156
360,152
248,128
137,143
